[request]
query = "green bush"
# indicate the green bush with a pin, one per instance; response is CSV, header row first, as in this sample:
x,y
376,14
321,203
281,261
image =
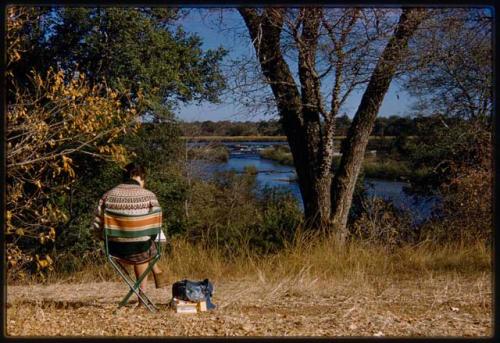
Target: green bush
x,y
278,153
444,146
280,218
217,153
171,189
164,178
230,215
380,222
386,169
80,203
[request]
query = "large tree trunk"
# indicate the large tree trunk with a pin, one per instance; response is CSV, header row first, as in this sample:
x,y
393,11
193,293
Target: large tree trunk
x,y
359,132
300,123
326,202
316,184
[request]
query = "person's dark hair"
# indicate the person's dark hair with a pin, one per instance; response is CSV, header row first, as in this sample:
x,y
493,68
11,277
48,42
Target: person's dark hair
x,y
134,169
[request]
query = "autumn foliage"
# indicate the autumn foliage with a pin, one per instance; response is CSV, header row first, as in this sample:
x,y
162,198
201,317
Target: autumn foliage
x,y
50,122
468,199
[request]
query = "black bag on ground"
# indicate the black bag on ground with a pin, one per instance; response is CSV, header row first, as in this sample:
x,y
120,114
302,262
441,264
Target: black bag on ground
x,y
194,291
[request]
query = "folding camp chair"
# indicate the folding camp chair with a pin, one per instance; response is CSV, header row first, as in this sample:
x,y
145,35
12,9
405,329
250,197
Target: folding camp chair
x,y
131,226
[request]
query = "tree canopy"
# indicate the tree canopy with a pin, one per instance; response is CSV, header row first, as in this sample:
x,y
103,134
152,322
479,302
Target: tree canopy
x,y
79,82
132,49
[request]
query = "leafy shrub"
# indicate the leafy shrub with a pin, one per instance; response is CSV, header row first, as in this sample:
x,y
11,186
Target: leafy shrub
x,y
51,133
466,209
280,218
171,189
278,153
382,223
386,169
215,153
229,215
444,147
75,237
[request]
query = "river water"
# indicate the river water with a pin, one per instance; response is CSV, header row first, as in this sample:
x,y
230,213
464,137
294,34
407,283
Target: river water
x,y
272,174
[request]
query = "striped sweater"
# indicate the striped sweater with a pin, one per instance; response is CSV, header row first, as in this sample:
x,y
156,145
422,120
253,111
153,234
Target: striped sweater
x,y
126,198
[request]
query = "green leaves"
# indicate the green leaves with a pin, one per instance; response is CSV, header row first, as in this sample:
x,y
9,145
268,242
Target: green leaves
x,y
138,50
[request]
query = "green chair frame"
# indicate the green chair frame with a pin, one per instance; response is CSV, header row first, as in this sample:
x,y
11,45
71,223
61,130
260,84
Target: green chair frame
x,y
115,261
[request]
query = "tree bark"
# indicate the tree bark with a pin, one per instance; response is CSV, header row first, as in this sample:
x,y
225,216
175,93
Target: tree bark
x,y
326,201
358,134
298,110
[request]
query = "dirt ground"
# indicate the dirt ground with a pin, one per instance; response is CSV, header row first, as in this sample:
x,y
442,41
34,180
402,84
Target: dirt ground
x,y
424,306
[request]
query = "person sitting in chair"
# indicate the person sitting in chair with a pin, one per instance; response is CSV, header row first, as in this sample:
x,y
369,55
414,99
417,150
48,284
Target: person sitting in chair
x,y
131,198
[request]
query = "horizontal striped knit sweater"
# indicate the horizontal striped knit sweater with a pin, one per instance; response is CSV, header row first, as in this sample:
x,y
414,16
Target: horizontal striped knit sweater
x,y
126,198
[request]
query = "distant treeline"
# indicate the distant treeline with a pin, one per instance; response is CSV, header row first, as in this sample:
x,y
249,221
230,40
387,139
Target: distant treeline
x,y
384,126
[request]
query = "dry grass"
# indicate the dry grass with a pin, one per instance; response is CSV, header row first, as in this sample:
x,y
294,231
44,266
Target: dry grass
x,y
310,289
322,257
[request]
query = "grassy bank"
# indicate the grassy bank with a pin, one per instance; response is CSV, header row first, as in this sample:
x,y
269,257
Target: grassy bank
x,y
324,260
280,154
386,168
212,153
320,259
373,166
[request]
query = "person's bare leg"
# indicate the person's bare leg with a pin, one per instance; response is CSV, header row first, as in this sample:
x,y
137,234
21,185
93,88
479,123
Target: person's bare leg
x,y
156,269
138,270
159,277
141,268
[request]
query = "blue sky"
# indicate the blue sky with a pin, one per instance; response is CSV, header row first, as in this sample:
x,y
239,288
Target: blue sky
x,y
235,39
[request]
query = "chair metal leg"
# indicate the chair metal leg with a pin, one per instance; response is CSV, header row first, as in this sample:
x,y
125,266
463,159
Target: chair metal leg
x,y
135,287
139,281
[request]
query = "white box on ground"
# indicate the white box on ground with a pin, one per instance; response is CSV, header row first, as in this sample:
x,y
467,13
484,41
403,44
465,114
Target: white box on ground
x,y
182,306
186,309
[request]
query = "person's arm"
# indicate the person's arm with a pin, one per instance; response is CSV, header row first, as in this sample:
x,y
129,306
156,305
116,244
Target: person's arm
x,y
154,205
98,225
